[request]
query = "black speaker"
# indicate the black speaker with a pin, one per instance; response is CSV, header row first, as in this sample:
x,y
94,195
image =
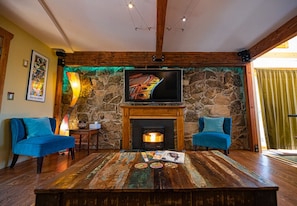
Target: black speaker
x,y
155,59
245,55
61,62
60,53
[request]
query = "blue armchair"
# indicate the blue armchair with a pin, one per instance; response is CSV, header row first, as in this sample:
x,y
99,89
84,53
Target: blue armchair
x,y
35,137
214,133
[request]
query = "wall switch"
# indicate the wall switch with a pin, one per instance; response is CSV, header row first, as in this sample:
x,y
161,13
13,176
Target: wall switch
x,y
25,63
10,95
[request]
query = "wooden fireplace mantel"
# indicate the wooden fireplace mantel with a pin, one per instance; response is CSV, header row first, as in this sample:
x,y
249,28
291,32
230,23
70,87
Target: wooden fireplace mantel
x,y
175,112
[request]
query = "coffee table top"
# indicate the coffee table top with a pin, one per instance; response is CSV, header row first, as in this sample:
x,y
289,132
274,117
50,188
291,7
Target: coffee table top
x,y
117,172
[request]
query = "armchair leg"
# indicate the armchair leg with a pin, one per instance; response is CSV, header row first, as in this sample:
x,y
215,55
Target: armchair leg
x,y
226,152
207,148
71,150
39,164
14,160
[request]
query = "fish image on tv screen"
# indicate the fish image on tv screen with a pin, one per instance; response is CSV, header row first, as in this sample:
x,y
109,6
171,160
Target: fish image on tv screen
x,y
142,86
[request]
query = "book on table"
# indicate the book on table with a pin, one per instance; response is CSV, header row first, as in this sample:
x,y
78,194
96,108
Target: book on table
x,y
164,155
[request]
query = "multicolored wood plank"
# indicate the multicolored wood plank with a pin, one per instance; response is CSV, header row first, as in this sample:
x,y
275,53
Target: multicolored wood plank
x,y
206,178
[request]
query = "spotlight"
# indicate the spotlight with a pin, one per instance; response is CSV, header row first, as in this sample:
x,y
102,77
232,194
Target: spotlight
x,y
184,19
130,5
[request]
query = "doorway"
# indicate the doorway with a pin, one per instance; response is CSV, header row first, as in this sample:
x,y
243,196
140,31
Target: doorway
x,y
280,59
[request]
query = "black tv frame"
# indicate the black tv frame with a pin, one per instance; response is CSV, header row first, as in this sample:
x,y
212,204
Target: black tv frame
x,y
176,98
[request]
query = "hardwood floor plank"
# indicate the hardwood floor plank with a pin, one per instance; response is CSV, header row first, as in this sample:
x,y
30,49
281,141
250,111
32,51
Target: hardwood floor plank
x,y
283,175
17,185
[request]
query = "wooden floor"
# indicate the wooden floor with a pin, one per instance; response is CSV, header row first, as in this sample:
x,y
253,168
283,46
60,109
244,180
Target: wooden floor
x,y
17,185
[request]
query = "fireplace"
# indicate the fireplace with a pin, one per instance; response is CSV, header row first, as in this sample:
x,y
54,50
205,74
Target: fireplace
x,y
174,113
153,134
153,138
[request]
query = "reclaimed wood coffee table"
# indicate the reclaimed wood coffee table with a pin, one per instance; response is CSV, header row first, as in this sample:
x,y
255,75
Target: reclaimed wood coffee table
x,y
206,178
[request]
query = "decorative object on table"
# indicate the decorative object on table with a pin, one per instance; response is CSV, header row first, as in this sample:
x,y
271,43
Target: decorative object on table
x,y
144,156
156,165
173,156
96,125
141,165
82,124
163,155
152,155
158,154
171,165
214,132
36,88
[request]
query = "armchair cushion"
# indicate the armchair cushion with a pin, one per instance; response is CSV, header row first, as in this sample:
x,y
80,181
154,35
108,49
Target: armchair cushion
x,y
37,127
213,124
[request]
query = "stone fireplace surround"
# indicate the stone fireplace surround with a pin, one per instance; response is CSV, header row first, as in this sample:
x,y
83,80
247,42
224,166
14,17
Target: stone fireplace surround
x,y
156,112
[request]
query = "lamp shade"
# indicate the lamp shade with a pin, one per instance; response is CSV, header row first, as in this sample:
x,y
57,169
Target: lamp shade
x,y
73,78
64,127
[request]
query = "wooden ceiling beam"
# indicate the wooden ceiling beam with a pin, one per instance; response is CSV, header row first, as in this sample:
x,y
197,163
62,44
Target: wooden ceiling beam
x,y
161,18
144,59
282,34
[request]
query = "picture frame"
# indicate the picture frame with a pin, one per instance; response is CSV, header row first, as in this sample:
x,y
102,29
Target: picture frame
x,y
36,89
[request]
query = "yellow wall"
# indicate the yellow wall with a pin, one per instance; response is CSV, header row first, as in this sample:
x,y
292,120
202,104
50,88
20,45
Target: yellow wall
x,y
16,80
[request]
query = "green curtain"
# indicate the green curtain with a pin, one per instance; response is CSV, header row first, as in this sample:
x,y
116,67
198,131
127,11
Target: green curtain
x,y
278,98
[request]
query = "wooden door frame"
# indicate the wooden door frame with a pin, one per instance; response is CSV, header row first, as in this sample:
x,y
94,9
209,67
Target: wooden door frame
x,y
7,37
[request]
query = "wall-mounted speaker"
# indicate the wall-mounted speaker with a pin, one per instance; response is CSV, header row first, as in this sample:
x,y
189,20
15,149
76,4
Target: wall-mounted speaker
x,y
155,59
60,53
61,62
245,55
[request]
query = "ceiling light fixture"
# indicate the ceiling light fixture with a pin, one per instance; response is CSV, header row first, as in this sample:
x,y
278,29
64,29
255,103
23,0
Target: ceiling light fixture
x,y
137,18
130,5
181,23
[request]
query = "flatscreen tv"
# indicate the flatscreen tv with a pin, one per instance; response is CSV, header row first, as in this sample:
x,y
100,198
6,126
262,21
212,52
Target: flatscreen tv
x,y
153,86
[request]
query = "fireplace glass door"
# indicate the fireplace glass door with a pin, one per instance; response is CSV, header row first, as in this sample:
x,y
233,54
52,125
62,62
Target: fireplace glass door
x,y
153,138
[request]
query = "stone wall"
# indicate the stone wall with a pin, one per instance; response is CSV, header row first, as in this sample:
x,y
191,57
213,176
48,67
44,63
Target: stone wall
x,y
215,92
207,92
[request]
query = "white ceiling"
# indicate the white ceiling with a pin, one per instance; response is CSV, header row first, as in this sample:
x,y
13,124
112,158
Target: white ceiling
x,y
108,25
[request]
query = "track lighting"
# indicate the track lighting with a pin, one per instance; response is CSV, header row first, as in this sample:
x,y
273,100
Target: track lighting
x,y
130,5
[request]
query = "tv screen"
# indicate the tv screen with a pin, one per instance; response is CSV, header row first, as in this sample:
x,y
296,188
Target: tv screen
x,y
145,86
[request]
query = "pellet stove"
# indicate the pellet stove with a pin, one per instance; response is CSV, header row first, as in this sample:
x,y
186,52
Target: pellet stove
x,y
153,134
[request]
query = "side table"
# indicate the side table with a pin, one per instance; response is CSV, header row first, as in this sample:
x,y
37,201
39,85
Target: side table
x,y
88,132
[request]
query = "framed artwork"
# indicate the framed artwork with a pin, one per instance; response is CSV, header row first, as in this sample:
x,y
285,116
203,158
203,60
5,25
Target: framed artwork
x,y
37,77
